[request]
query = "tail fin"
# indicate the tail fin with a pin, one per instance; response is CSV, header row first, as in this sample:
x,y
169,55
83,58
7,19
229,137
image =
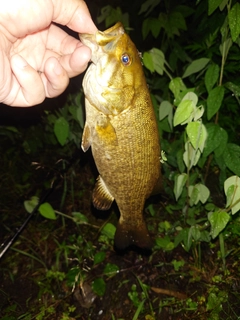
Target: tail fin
x,y
135,235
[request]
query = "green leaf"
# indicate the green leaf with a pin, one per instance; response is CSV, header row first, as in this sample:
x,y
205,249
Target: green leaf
x,y
218,221
197,193
148,61
179,89
109,230
183,113
165,243
111,269
196,66
211,76
139,310
214,101
46,210
79,217
148,6
183,237
213,5
195,233
177,264
213,302
152,25
99,257
197,134
233,87
61,130
191,96
216,140
231,156
191,155
166,110
99,286
180,162
234,21
31,204
232,191
193,194
158,60
225,47
179,183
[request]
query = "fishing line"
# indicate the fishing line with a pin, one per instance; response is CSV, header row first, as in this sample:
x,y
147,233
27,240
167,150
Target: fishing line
x,y
55,182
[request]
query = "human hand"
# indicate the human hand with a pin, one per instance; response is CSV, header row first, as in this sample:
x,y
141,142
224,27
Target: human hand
x,y
37,58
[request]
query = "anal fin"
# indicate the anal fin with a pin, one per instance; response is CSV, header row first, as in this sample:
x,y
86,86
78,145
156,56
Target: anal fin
x,y
102,198
86,138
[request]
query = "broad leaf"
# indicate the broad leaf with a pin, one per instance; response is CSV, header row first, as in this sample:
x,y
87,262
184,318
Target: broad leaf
x,y
218,221
99,286
191,155
197,193
214,101
152,25
31,204
232,191
47,211
183,113
195,66
197,134
180,181
217,137
61,130
99,257
109,230
148,6
234,21
111,269
231,156
148,61
166,110
211,76
79,218
158,60
213,5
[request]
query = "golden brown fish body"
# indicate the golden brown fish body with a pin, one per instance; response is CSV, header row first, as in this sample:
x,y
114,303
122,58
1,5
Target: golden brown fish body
x,y
122,132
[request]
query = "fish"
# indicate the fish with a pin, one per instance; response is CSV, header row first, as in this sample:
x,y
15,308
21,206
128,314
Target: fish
x,y
121,130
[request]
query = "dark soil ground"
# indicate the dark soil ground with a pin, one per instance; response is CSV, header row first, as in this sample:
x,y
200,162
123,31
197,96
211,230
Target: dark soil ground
x,y
35,272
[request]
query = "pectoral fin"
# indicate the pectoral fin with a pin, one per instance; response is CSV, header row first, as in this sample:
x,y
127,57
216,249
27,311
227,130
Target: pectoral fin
x,y
102,198
86,138
105,131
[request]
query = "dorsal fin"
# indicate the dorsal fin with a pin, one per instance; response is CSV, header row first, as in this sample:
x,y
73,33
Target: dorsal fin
x,y
102,198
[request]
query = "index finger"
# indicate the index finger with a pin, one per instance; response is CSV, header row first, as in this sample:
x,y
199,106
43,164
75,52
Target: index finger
x,y
74,14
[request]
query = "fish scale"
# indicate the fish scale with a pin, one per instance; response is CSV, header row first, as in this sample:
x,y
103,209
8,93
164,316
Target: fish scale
x,y
122,131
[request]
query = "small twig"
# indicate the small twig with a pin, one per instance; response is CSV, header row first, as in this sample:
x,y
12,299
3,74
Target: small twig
x,y
168,292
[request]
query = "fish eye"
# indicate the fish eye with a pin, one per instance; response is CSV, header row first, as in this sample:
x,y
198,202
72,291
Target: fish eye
x,y
126,59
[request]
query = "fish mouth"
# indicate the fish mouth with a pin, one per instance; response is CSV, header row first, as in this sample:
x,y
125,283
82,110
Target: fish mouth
x,y
102,42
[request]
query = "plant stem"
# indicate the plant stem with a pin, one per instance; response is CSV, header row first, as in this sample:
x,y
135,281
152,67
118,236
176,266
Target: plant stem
x,y
222,250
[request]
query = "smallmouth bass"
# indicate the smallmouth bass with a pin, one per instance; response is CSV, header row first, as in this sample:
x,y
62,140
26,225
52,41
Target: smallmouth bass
x,y
122,131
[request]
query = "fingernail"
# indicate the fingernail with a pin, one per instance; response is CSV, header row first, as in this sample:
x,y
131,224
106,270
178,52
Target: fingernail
x,y
19,61
57,68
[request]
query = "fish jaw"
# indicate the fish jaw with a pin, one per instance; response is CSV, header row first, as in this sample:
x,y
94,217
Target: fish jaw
x,y
102,41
